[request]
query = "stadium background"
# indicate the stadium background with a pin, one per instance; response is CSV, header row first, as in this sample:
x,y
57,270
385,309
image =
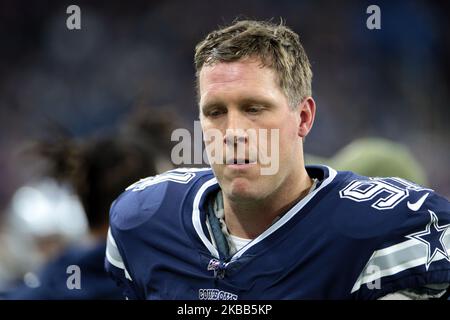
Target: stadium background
x,y
391,83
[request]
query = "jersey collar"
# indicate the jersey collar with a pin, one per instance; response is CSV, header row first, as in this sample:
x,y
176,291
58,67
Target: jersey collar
x,y
325,175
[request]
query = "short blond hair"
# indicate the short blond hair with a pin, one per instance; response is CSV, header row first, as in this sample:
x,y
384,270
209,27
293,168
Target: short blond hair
x,y
277,46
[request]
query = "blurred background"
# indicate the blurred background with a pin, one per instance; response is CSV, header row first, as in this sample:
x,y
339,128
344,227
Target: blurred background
x,y
72,85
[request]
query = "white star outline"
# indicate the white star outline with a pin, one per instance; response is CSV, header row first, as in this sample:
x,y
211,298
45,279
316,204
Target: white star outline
x,y
443,229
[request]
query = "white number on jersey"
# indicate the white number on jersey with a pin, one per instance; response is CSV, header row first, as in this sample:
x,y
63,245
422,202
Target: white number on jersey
x,y
387,194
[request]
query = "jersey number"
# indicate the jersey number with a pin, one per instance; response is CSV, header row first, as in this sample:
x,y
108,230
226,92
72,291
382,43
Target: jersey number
x,y
178,175
387,194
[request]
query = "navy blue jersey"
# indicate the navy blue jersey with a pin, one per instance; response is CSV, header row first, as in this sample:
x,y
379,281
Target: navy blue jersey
x,y
353,237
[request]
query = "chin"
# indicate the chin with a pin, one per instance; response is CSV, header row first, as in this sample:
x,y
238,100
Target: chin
x,y
241,188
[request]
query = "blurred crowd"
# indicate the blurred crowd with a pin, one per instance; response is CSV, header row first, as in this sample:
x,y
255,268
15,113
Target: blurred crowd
x,y
68,96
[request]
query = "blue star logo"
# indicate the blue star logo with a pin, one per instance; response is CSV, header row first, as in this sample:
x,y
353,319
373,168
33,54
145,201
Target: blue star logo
x,y
433,238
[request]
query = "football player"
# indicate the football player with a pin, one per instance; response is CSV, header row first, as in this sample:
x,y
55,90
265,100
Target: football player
x,y
301,232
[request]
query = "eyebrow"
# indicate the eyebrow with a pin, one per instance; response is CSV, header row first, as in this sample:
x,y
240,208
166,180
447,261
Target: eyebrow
x,y
258,100
243,102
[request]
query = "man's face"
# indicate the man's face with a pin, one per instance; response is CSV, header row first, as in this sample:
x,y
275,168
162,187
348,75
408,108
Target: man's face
x,y
243,95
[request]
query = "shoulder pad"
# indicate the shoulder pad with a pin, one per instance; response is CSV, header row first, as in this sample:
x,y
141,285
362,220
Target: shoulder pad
x,y
143,199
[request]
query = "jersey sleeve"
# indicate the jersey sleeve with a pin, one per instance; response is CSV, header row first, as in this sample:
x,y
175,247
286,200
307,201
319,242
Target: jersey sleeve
x,y
131,218
117,270
415,254
122,217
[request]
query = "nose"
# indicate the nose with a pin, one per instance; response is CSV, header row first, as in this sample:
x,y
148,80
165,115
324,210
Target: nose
x,y
236,132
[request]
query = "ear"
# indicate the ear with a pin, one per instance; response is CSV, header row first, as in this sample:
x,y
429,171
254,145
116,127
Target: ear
x,y
307,112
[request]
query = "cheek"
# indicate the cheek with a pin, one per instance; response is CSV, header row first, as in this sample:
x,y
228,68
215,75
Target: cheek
x,y
288,132
218,171
291,126
288,141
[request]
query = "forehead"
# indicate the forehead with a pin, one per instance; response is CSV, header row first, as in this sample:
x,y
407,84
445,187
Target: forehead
x,y
235,76
242,68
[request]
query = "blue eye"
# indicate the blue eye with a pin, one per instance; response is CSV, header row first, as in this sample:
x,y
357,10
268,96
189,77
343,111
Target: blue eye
x,y
215,113
254,109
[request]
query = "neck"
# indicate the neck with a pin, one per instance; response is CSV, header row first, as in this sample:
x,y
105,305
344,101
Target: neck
x,y
248,219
